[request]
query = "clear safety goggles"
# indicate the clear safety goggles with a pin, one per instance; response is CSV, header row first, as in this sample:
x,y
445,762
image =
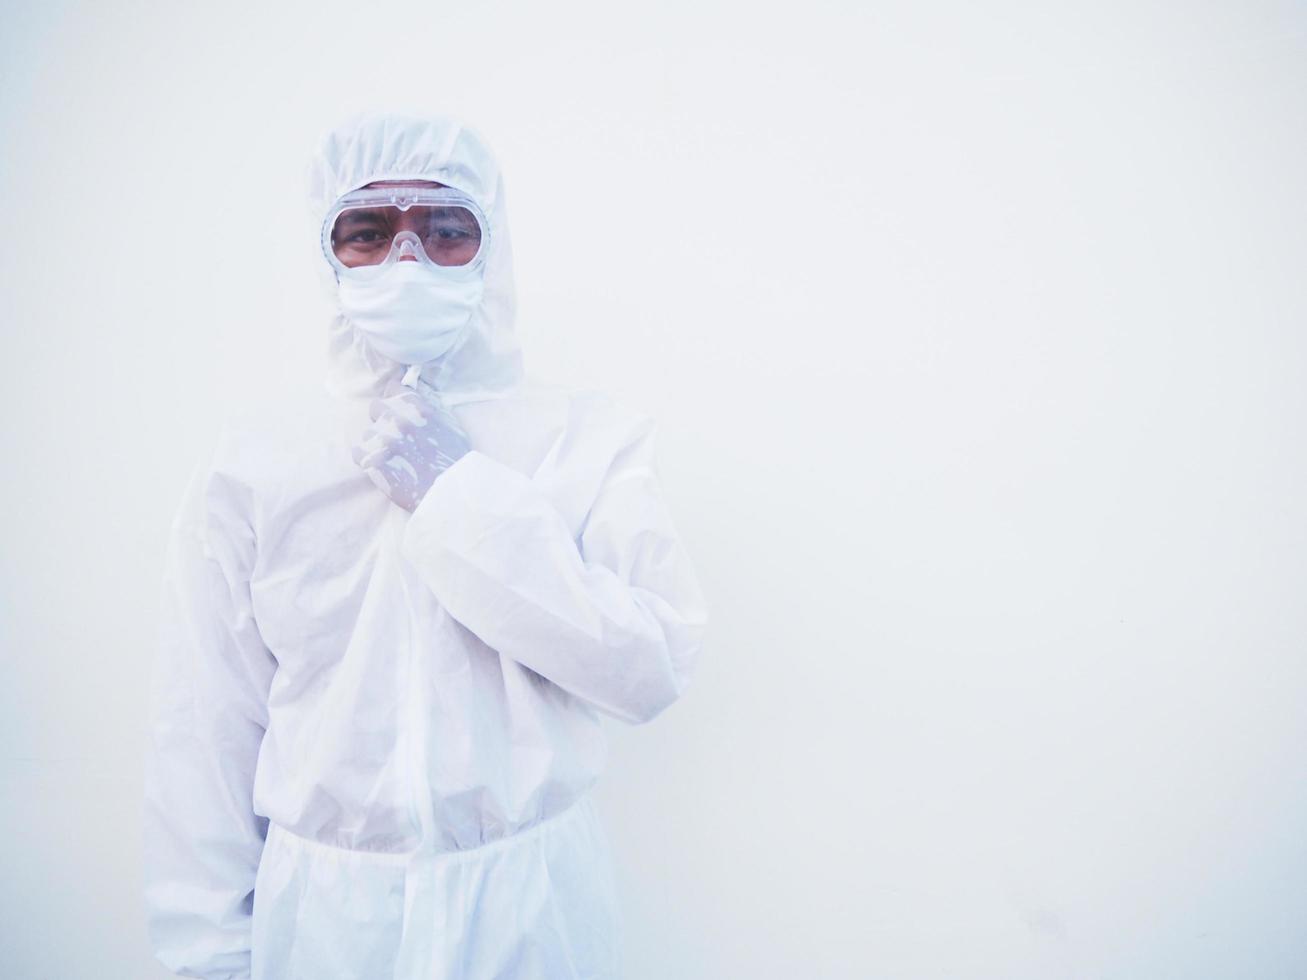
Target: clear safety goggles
x,y
375,227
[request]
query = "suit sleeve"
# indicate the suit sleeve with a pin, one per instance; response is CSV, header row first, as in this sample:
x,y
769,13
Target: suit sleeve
x,y
613,615
209,690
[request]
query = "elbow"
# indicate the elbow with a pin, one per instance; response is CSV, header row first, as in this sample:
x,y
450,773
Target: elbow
x,y
658,668
649,707
677,657
656,691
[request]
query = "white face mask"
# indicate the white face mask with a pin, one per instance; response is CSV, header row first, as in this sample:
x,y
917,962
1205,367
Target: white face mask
x,y
411,312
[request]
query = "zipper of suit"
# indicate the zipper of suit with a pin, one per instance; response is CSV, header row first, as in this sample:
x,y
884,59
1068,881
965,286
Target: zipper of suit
x,y
414,723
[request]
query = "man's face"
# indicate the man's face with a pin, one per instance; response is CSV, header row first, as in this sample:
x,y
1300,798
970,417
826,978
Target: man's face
x,y
363,236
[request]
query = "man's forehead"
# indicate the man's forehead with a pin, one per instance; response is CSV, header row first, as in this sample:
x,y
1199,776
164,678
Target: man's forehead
x,y
404,183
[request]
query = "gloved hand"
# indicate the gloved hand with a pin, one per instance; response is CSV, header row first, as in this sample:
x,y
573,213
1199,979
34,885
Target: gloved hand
x,y
411,441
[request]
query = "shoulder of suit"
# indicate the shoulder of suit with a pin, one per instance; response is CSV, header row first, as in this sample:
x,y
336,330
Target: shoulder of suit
x,y
602,412
266,432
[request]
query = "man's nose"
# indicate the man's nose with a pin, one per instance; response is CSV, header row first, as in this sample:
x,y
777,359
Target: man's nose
x,y
409,223
409,243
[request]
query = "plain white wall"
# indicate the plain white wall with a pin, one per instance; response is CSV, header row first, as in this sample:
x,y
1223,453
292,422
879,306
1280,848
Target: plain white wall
x,y
976,335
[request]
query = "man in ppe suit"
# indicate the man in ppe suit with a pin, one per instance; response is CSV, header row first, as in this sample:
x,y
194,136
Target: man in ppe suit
x,y
392,621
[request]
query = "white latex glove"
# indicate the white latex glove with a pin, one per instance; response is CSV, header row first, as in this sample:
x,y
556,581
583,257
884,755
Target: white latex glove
x,y
411,441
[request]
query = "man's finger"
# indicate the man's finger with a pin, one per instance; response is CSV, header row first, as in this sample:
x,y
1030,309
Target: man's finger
x,y
410,407
373,458
384,426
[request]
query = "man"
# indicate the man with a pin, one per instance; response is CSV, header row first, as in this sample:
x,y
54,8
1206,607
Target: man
x,y
392,621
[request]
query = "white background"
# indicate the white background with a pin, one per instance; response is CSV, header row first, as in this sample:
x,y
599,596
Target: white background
x,y
976,336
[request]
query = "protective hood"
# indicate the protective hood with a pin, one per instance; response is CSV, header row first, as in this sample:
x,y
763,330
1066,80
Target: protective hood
x,y
487,361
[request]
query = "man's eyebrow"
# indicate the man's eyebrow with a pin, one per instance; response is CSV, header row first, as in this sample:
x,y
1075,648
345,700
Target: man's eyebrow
x,y
360,214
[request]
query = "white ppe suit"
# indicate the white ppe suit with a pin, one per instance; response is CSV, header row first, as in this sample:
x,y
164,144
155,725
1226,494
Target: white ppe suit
x,y
373,732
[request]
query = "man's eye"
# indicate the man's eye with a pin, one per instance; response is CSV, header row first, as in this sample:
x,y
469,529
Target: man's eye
x,y
367,237
452,233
